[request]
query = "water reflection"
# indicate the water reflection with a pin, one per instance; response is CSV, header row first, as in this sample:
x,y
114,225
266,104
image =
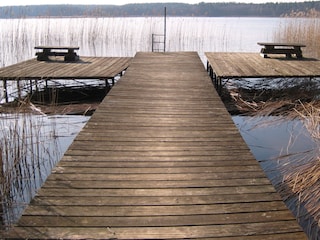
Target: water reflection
x,y
271,137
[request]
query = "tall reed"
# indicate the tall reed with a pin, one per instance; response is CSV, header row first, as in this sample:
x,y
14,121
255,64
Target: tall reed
x,y
301,180
302,27
25,159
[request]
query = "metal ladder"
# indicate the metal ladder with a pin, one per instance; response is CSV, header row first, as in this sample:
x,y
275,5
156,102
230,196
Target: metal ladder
x,y
159,40
158,43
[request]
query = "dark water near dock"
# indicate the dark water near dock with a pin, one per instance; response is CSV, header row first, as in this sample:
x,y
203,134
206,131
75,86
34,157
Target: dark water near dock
x,y
272,138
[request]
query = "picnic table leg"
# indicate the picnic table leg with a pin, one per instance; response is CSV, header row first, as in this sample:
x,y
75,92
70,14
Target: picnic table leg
x,y
267,49
263,52
298,52
44,55
71,56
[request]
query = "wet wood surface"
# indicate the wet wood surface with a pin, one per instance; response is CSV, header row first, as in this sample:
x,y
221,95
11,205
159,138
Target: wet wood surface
x,y
160,159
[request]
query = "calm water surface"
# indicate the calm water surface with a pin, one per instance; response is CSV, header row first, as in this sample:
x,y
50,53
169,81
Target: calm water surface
x,y
126,36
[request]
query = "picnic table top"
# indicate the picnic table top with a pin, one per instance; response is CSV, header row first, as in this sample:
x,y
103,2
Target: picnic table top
x,y
57,47
281,44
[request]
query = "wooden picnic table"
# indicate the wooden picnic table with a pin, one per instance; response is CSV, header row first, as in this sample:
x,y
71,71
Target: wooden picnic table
x,y
67,51
288,49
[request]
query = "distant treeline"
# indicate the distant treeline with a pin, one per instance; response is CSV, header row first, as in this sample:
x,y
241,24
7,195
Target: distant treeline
x,y
157,9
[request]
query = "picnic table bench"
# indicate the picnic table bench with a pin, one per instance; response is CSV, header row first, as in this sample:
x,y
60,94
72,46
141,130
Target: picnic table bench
x,y
68,52
288,49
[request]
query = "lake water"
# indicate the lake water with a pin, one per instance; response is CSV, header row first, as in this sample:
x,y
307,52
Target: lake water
x,y
120,37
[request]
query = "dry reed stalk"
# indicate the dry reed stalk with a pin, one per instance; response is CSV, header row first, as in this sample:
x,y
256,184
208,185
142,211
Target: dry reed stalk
x,y
311,117
25,158
258,107
301,182
301,186
307,173
302,27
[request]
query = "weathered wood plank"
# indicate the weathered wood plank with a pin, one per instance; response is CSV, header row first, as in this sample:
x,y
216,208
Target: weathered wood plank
x,y
150,170
154,200
111,211
134,184
126,192
229,230
155,221
159,177
216,157
111,163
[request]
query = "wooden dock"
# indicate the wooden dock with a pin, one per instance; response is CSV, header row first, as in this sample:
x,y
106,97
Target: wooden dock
x,y
160,159
224,65
87,68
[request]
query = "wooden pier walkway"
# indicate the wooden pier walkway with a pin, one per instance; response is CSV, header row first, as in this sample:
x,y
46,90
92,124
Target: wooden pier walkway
x,y
159,159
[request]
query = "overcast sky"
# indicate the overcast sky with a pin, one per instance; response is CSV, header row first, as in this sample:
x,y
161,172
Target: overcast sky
x,y
121,2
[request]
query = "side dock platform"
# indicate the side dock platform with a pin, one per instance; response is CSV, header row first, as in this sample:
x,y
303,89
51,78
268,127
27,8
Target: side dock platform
x,y
159,159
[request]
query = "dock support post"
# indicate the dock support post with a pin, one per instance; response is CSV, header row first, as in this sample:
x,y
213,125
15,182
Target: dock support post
x,y
208,66
31,89
37,88
152,44
216,81
165,29
107,85
19,89
219,84
5,89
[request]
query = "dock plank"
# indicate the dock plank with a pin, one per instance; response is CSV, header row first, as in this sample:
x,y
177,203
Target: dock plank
x,y
156,221
160,159
267,230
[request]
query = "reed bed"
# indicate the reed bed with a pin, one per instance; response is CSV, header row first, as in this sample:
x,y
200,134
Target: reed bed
x,y
300,186
302,27
298,178
301,179
25,160
298,181
31,144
